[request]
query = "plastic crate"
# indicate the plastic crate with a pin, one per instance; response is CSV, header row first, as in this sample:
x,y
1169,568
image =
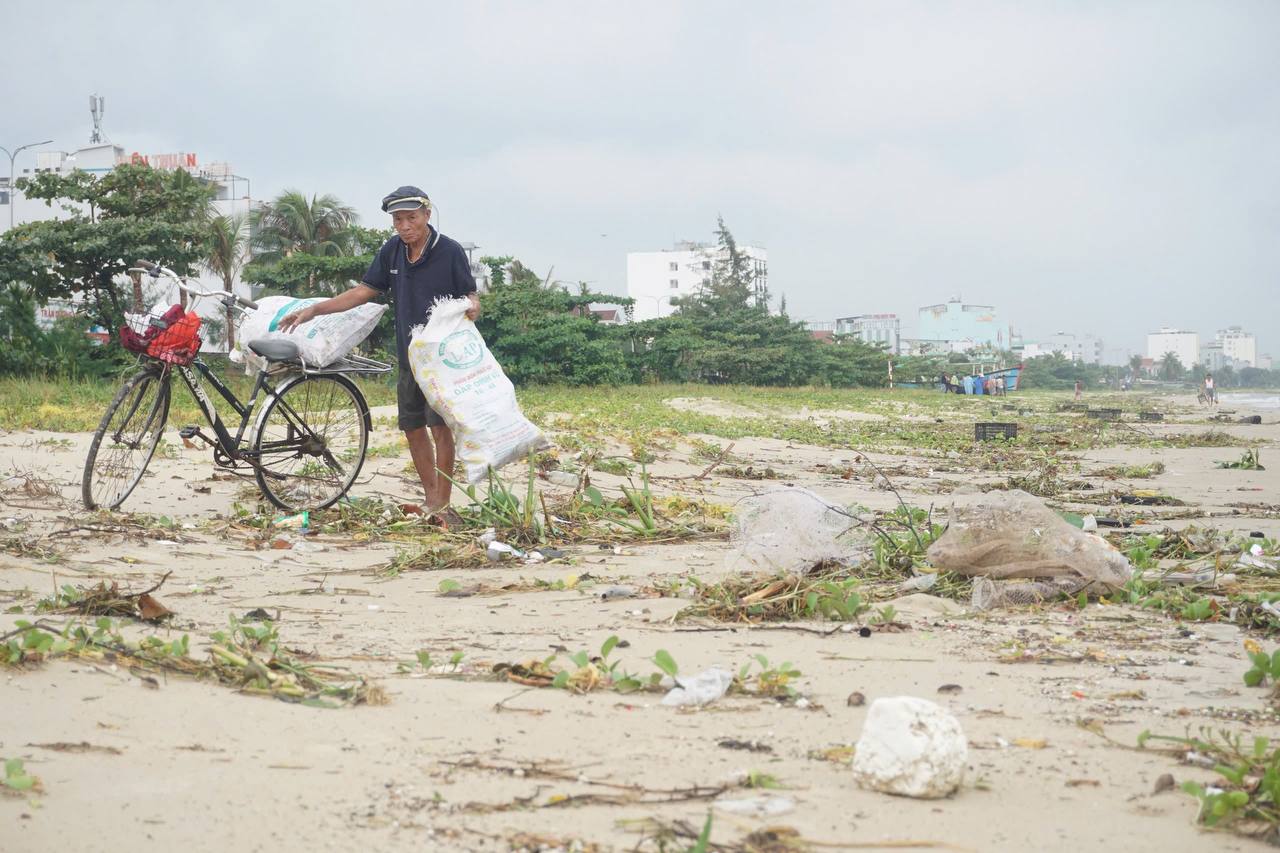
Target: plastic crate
x,y
985,431
1150,416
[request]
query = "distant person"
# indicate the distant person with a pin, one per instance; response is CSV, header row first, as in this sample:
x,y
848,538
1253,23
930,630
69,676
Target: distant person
x,y
1079,388
1210,392
414,268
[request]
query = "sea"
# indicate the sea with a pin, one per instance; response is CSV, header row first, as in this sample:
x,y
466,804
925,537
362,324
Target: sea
x,y
1250,400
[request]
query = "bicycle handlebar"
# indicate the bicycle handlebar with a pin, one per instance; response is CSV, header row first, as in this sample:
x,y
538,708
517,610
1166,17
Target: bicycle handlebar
x,y
155,271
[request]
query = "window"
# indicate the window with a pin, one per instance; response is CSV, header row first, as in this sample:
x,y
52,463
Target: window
x,y
4,197
674,266
675,283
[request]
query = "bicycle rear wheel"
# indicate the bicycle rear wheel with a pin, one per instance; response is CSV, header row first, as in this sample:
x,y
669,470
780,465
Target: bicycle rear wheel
x,y
126,440
310,442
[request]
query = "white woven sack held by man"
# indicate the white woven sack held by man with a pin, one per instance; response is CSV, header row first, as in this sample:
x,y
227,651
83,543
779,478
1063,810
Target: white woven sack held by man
x,y
321,341
465,385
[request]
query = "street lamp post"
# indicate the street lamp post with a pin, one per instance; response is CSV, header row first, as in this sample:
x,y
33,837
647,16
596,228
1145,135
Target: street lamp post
x,y
12,157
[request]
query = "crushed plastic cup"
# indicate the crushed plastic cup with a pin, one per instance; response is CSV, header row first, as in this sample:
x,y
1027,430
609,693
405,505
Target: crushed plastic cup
x,y
919,583
702,689
499,551
617,591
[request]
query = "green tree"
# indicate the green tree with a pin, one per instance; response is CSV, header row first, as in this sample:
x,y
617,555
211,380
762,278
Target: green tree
x,y
108,222
225,252
545,334
1135,363
1171,368
291,223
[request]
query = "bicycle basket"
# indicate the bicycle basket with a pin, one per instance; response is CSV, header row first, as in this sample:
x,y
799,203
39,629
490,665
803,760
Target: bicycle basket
x,y
173,337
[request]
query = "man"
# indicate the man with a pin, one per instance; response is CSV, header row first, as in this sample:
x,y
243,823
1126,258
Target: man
x,y
1210,392
415,268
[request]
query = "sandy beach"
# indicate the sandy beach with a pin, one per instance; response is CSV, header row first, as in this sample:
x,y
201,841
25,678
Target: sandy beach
x,y
1052,699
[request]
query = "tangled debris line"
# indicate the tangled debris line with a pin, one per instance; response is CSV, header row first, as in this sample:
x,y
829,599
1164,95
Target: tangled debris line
x,y
246,657
104,600
613,793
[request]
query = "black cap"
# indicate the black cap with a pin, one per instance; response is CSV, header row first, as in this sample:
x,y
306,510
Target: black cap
x,y
405,198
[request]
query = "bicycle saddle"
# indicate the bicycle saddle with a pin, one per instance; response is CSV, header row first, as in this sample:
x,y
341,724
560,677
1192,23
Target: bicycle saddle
x,y
274,350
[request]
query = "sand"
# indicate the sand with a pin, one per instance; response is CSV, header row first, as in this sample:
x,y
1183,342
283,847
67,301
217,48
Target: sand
x,y
455,764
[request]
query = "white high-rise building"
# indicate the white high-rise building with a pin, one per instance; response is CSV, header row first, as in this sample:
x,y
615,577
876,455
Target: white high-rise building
x,y
1185,345
655,279
1239,346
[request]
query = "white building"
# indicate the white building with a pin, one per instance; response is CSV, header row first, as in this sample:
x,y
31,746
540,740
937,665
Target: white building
x,y
231,198
882,329
655,279
1073,347
1185,345
1238,345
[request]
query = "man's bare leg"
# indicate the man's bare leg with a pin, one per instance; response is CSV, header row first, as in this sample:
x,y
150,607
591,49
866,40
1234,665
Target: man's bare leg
x,y
424,459
444,459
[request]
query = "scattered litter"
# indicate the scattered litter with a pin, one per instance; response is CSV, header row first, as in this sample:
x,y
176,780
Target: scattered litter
x,y
703,689
488,536
911,747
792,530
617,591
744,745
765,805
499,551
1010,535
1148,497
919,583
562,478
257,614
1030,742
301,519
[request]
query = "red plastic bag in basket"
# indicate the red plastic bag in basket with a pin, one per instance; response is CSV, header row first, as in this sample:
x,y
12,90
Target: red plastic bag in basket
x,y
179,343
141,329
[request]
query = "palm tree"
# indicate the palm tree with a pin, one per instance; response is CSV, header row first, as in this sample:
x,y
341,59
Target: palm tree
x,y
225,252
291,223
1170,367
1135,363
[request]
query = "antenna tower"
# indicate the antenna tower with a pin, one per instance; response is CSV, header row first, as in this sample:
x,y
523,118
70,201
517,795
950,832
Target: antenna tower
x,y
96,109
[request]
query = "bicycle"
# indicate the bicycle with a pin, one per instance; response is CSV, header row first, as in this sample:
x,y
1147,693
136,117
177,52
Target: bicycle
x,y
307,443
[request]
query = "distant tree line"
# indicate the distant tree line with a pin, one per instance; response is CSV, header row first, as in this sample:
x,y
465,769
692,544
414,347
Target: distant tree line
x,y
541,332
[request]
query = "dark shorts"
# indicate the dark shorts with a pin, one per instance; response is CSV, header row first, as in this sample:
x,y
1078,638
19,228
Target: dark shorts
x,y
414,413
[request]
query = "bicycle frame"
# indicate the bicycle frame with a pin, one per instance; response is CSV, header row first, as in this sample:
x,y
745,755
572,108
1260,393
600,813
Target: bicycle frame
x,y
230,445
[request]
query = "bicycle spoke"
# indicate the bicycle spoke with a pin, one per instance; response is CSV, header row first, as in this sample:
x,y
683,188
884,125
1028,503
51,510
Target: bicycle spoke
x,y
311,443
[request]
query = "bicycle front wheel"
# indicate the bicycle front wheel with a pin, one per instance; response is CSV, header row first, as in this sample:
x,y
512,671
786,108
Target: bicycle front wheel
x,y
310,442
126,440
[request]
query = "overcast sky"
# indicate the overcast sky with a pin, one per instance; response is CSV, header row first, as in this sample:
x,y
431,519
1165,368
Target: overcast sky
x,y
1095,167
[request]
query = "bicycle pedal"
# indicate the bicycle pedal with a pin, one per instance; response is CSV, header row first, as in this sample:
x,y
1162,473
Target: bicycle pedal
x,y
189,432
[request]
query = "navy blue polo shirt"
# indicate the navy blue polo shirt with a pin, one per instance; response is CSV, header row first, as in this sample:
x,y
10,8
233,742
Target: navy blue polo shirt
x,y
443,270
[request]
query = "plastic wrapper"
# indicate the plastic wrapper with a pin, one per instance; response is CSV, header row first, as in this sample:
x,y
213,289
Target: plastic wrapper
x,y
793,530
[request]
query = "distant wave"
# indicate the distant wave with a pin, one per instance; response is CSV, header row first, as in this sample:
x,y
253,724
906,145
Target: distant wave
x,y
1251,401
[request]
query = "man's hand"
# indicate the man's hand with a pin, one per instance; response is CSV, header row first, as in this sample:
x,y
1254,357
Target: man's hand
x,y
474,311
289,322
